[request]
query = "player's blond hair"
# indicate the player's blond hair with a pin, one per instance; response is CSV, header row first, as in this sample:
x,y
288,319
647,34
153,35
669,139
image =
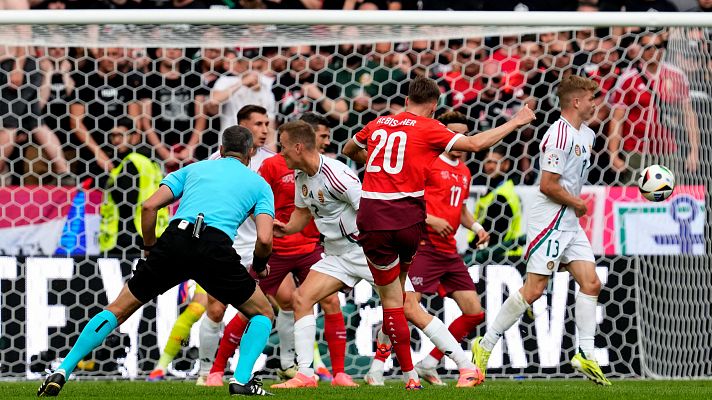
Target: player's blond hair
x,y
574,86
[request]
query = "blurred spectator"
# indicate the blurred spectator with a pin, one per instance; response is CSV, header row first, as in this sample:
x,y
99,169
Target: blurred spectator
x,y
104,95
649,101
240,87
172,100
493,107
462,79
602,69
506,53
134,179
298,89
20,111
499,211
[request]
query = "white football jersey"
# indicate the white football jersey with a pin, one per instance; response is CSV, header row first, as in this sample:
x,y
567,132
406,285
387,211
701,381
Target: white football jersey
x,y
567,152
247,232
332,195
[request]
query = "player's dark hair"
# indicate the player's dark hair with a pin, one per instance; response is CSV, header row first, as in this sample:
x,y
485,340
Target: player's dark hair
x,y
237,139
246,111
453,117
423,90
315,120
300,132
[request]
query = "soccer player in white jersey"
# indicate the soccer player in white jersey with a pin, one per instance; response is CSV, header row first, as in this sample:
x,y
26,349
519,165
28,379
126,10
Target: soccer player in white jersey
x,y
555,240
254,118
328,191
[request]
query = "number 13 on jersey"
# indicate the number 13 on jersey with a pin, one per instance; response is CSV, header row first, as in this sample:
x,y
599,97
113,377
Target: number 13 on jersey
x,y
393,154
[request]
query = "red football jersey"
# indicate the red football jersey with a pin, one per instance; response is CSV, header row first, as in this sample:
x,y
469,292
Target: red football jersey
x,y
274,170
400,149
446,190
641,95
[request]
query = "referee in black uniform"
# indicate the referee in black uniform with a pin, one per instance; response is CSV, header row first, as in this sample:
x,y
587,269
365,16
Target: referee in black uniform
x,y
216,197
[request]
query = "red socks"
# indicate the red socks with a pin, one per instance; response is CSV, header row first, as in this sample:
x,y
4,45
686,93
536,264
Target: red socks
x,y
228,344
335,336
460,328
396,327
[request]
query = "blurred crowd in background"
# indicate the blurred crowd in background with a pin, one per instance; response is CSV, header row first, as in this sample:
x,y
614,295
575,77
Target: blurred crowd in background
x,y
68,114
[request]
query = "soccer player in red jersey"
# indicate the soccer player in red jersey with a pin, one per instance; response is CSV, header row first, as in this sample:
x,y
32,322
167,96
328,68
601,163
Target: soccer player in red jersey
x,y
446,189
292,255
397,151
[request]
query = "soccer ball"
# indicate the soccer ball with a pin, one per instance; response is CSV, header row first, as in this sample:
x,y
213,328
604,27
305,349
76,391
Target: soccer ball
x,y
656,183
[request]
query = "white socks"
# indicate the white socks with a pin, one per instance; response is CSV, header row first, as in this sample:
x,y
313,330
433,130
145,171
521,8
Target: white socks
x,y
585,316
441,337
285,332
429,362
304,333
511,311
209,336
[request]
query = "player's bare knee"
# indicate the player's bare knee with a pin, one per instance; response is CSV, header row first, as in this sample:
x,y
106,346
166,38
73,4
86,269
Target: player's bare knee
x,y
301,302
532,293
591,287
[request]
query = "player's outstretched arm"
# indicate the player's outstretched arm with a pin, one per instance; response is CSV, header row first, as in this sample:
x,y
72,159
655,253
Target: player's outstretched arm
x,y
149,212
551,187
485,140
297,221
354,152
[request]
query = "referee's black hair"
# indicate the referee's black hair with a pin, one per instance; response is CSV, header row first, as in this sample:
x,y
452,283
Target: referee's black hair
x,y
237,139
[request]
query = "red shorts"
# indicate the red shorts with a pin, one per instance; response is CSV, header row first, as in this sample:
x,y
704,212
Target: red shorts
x,y
433,267
390,252
280,266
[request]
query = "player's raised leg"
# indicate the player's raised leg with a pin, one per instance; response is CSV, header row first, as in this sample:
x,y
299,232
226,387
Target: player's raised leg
x,y
316,287
584,272
512,309
441,337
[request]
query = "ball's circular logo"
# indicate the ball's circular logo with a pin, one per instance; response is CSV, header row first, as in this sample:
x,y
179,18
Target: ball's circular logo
x,y
305,191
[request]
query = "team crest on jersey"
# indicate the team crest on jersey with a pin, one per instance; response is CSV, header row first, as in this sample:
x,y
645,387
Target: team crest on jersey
x,y
320,196
444,174
577,150
305,191
550,265
552,160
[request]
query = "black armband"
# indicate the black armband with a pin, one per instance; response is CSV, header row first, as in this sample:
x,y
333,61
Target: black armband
x,y
259,264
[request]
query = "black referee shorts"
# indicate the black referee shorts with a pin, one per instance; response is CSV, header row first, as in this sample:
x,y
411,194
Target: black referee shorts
x,y
210,260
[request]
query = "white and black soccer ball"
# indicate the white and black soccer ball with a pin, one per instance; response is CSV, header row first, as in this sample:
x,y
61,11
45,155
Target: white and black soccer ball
x,y
656,183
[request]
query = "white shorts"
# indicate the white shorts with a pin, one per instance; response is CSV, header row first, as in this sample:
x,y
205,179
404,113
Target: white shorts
x,y
546,252
350,268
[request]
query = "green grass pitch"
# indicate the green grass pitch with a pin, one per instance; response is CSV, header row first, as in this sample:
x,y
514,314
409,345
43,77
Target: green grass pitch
x,y
491,390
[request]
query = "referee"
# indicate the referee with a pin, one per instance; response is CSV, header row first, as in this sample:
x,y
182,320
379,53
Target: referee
x,y
216,197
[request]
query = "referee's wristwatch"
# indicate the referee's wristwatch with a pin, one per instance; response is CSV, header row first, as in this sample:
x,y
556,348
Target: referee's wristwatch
x,y
147,247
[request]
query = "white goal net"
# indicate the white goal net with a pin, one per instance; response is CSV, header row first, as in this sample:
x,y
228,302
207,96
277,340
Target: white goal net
x,y
79,90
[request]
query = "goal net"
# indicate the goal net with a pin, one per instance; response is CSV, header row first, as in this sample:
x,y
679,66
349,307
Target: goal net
x,y
80,90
